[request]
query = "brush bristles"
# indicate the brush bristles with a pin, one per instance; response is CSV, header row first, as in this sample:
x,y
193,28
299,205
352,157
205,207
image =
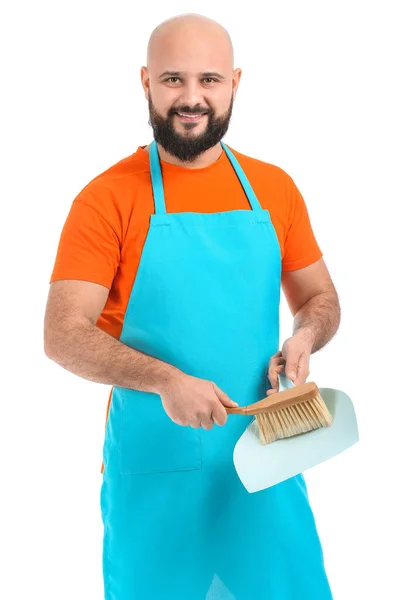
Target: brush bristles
x,y
293,420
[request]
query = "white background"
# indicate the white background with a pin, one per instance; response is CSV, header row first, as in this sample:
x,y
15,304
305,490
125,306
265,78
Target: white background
x,y
318,97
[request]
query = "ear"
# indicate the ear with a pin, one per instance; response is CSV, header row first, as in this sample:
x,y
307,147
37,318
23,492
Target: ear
x,y
237,73
145,78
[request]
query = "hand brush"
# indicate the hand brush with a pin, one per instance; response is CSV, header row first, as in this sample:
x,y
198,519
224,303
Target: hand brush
x,y
288,412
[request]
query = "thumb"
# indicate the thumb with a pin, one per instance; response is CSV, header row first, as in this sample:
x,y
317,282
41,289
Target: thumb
x,y
224,398
291,370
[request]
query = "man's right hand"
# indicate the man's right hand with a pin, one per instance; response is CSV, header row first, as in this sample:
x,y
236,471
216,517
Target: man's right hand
x,y
195,402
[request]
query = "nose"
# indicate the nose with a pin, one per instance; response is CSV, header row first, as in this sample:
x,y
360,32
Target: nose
x,y
192,95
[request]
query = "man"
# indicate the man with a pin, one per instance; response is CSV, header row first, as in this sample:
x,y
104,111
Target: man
x,y
166,286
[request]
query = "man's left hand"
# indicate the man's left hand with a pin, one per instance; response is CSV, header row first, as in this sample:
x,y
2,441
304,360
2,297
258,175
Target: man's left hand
x,y
294,360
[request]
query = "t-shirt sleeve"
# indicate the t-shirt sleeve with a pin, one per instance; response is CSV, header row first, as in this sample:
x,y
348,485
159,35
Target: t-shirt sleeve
x,y
90,241
301,248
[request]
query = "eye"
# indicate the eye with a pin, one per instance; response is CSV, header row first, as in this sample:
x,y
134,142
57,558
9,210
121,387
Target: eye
x,y
169,79
210,79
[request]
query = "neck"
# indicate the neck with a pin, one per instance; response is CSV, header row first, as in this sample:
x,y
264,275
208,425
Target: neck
x,y
205,159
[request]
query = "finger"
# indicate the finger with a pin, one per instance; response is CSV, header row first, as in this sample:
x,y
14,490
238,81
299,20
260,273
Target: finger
x,y
273,376
273,379
224,398
207,423
303,369
197,420
291,367
219,414
275,362
273,371
179,421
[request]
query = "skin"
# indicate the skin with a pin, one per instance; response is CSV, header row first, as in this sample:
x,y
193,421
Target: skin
x,y
314,304
192,45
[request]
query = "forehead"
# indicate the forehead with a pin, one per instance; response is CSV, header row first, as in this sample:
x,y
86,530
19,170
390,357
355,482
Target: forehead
x,y
191,54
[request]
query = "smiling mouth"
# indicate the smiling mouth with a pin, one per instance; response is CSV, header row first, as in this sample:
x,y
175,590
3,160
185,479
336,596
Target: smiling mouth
x,y
188,117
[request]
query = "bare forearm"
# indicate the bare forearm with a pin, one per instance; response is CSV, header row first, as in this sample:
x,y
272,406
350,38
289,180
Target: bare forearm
x,y
318,319
89,352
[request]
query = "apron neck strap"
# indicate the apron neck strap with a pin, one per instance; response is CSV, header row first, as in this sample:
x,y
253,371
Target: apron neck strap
x,y
252,198
158,188
156,180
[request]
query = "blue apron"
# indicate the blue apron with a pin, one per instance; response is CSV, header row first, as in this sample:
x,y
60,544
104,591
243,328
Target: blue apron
x,y
178,523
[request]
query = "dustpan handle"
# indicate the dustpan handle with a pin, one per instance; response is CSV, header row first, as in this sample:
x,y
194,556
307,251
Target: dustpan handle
x,y
284,382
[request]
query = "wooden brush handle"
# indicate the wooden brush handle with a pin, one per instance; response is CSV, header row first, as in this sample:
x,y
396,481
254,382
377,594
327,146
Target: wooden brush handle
x,y
299,393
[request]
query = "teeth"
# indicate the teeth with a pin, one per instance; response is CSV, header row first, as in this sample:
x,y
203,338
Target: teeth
x,y
189,116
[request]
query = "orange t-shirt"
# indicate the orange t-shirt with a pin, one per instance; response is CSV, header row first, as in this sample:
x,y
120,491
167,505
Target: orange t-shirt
x,y
104,233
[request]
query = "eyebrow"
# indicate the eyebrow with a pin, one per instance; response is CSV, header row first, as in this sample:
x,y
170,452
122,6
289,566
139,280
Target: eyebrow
x,y
180,73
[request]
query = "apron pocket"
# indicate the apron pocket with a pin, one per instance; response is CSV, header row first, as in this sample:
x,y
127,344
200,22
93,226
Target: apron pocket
x,y
149,441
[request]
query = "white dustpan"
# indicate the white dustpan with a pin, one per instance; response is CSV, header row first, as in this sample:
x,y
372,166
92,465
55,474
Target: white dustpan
x,y
262,466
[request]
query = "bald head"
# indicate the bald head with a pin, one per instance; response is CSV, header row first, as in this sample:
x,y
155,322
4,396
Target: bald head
x,y
189,33
190,85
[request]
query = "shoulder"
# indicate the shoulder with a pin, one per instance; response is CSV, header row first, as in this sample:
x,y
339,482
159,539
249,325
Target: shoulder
x,y
120,175
113,191
260,169
271,183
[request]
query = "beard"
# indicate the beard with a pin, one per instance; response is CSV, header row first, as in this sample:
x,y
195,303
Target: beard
x,y
187,149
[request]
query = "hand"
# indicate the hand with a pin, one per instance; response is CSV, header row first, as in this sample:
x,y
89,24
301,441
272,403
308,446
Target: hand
x,y
196,402
293,360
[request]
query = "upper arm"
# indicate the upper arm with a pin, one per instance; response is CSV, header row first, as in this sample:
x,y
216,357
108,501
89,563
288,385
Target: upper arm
x,y
300,245
90,241
304,272
302,284
86,263
71,302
